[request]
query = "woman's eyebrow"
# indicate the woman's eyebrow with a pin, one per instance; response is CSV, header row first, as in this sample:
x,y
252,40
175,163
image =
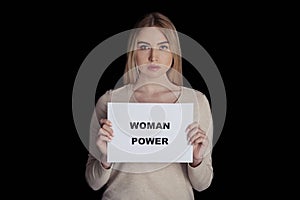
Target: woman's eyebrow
x,y
160,43
164,42
142,42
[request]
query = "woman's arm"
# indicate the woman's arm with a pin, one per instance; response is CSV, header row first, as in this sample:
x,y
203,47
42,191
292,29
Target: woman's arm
x,y
200,172
96,173
201,176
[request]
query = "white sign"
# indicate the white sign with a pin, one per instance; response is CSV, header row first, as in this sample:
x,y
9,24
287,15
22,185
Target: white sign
x,y
150,132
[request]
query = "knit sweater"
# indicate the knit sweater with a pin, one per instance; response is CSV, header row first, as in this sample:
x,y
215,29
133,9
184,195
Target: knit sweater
x,y
153,181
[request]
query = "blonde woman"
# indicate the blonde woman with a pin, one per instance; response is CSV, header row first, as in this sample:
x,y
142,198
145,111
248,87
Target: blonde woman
x,y
153,74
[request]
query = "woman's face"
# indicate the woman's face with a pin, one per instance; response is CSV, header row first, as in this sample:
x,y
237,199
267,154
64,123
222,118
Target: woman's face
x,y
153,55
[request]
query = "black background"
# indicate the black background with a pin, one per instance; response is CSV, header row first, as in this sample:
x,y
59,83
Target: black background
x,y
52,40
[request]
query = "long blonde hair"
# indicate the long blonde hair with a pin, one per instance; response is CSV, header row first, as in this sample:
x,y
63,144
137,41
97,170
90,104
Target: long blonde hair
x,y
167,27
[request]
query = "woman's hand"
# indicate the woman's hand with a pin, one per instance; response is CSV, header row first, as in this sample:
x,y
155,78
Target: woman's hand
x,y
105,135
198,138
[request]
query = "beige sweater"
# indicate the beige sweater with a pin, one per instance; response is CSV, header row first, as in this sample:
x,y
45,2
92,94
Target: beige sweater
x,y
168,181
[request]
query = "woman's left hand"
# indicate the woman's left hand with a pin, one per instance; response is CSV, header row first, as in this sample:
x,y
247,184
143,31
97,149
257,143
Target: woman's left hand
x,y
198,138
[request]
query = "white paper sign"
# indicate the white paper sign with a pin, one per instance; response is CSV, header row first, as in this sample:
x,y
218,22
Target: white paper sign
x,y
150,132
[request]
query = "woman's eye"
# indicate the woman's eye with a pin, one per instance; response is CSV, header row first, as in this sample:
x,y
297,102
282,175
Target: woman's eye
x,y
144,47
164,47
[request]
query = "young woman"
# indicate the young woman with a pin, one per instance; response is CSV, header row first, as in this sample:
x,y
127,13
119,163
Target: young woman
x,y
153,74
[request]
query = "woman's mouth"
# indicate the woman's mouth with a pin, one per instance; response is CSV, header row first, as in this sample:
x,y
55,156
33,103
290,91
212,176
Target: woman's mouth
x,y
153,67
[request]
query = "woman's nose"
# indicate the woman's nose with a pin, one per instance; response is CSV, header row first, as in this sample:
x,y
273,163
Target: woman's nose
x,y
153,55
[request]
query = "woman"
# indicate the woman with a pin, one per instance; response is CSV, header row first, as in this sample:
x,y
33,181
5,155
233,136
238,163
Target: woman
x,y
153,74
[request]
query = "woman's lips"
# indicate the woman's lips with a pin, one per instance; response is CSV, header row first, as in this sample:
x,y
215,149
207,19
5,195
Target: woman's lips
x,y
153,67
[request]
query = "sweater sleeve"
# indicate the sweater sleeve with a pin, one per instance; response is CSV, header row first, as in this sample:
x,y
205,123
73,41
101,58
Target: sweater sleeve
x,y
97,176
201,176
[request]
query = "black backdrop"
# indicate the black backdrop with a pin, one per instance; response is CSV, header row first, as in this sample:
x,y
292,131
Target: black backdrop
x,y
61,36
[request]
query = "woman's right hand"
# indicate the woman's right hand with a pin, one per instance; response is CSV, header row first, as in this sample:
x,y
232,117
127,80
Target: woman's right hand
x,y
105,135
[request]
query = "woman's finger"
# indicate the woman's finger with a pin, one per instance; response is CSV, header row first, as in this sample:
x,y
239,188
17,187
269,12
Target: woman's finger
x,y
105,138
195,137
194,131
104,133
105,121
198,140
108,129
191,126
191,133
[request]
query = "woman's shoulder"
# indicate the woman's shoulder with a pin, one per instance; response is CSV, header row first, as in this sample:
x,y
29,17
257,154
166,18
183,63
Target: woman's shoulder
x,y
122,89
192,92
195,96
117,93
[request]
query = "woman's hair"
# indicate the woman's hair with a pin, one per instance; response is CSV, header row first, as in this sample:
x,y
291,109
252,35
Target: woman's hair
x,y
168,29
